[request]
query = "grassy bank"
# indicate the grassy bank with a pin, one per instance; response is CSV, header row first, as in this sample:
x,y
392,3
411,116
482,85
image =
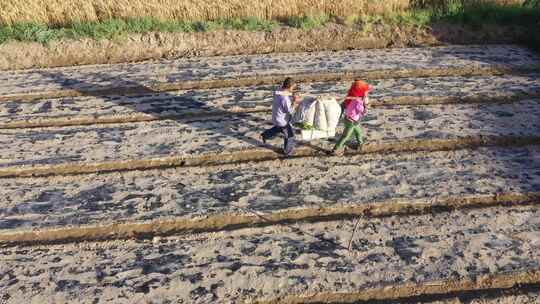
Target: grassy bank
x,y
527,14
109,29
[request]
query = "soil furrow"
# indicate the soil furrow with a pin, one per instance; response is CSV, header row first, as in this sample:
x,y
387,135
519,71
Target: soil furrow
x,y
224,140
234,221
214,72
480,287
346,75
257,155
520,293
157,202
231,101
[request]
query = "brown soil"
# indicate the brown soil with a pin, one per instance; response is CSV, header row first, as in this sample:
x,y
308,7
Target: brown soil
x,y
232,221
252,155
87,120
138,47
393,292
272,79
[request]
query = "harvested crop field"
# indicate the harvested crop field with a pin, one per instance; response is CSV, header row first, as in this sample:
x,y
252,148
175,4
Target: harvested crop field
x,y
147,182
62,12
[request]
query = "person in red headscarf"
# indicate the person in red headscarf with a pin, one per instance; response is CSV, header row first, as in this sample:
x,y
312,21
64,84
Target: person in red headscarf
x,y
354,107
358,89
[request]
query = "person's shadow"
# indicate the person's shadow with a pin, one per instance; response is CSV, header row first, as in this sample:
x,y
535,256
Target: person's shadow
x,y
157,104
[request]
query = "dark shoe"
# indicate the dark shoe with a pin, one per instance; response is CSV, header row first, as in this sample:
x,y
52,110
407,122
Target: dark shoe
x,y
289,155
360,146
263,139
338,152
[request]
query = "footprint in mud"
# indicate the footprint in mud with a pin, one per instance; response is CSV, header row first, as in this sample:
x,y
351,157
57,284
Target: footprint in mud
x,y
285,190
228,194
66,285
424,115
405,248
45,107
225,176
334,192
192,278
433,134
503,114
92,199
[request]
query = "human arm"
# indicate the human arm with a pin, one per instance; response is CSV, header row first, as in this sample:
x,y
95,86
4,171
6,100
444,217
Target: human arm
x,y
290,102
295,100
367,101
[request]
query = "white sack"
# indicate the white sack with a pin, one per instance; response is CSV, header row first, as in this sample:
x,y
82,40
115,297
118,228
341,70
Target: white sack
x,y
322,113
332,112
319,123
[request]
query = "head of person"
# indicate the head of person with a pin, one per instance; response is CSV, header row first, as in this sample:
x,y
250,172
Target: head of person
x,y
358,89
288,84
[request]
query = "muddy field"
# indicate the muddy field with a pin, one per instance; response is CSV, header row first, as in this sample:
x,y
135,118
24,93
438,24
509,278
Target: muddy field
x,y
148,183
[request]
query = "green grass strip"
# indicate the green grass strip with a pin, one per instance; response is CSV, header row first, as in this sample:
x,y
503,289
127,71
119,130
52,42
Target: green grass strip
x,y
454,12
114,28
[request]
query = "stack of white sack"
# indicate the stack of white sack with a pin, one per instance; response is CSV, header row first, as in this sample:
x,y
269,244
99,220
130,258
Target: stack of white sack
x,y
317,117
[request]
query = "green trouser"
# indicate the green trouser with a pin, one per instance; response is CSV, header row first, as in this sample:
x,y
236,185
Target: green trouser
x,y
350,128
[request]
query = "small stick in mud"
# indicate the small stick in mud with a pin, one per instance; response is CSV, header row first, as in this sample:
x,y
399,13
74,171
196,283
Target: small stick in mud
x,y
353,233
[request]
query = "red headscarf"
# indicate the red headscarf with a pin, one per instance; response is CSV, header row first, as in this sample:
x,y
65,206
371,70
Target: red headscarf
x,y
358,89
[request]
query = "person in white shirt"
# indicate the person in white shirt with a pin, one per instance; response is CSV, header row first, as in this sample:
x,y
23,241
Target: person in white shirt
x,y
282,107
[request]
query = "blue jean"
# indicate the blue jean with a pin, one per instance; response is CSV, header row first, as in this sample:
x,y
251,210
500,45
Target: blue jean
x,y
288,137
